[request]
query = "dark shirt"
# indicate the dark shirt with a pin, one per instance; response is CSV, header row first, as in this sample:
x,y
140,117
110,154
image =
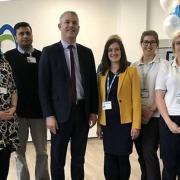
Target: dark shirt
x,y
26,78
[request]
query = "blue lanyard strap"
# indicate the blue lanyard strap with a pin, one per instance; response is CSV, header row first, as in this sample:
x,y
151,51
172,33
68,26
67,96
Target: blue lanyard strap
x,y
109,86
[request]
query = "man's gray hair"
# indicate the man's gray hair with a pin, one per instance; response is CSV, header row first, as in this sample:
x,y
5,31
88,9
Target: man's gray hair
x,y
68,12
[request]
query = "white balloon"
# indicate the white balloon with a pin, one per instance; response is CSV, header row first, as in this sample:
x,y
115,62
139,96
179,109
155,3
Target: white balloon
x,y
171,25
169,5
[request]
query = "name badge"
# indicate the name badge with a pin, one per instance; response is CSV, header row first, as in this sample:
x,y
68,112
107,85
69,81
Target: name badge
x,y
106,105
144,93
31,59
178,97
3,90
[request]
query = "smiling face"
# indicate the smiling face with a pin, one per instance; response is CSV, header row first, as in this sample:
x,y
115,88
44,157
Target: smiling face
x,y
69,27
149,45
114,53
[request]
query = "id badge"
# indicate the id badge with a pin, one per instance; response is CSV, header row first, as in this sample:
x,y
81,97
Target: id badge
x,y
144,93
31,59
3,90
106,105
178,97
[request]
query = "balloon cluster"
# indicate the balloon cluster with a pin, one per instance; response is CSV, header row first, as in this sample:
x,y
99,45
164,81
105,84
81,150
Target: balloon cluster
x,y
172,22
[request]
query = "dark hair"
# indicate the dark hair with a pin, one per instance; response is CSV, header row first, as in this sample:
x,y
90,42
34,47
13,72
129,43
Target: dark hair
x,y
150,33
22,24
105,59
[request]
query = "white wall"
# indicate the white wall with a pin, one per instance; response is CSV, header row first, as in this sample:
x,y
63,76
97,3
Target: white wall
x,y
97,21
156,17
131,23
136,16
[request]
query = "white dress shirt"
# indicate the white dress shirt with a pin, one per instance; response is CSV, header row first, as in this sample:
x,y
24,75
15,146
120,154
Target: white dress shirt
x,y
79,87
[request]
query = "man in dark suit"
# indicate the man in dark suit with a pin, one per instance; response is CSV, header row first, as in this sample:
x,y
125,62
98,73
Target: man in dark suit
x,y
68,95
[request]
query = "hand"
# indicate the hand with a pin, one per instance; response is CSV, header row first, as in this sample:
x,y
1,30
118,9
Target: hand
x,y
153,107
173,127
134,133
7,114
11,110
92,119
51,124
99,131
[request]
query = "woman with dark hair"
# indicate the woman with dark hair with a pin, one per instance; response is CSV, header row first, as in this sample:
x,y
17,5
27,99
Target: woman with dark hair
x,y
119,109
8,124
168,103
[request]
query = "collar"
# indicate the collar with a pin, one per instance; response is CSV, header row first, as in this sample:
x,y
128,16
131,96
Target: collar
x,y
66,44
29,51
155,60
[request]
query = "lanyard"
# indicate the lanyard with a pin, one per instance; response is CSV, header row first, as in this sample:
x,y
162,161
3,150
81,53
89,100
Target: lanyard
x,y
109,86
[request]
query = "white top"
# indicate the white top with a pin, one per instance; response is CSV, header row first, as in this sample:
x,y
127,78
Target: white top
x,y
148,73
168,80
79,87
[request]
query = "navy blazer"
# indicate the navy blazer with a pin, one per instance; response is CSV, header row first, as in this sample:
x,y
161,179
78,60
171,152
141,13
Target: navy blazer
x,y
54,83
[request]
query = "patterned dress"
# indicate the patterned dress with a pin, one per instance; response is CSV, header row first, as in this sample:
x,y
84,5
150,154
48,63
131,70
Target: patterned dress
x,y
8,128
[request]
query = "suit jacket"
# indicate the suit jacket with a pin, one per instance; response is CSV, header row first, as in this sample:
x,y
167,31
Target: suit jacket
x,y
128,95
54,81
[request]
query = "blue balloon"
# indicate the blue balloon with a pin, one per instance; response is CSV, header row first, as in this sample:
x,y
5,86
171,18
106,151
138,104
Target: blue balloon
x,y
176,11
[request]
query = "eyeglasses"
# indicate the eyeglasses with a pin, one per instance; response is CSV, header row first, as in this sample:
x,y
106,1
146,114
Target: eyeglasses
x,y
177,43
152,43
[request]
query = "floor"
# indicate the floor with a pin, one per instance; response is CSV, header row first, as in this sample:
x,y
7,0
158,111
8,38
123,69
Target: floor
x,y
93,163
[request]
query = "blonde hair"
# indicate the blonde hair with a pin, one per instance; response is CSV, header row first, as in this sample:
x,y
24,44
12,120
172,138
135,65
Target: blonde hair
x,y
177,35
114,36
